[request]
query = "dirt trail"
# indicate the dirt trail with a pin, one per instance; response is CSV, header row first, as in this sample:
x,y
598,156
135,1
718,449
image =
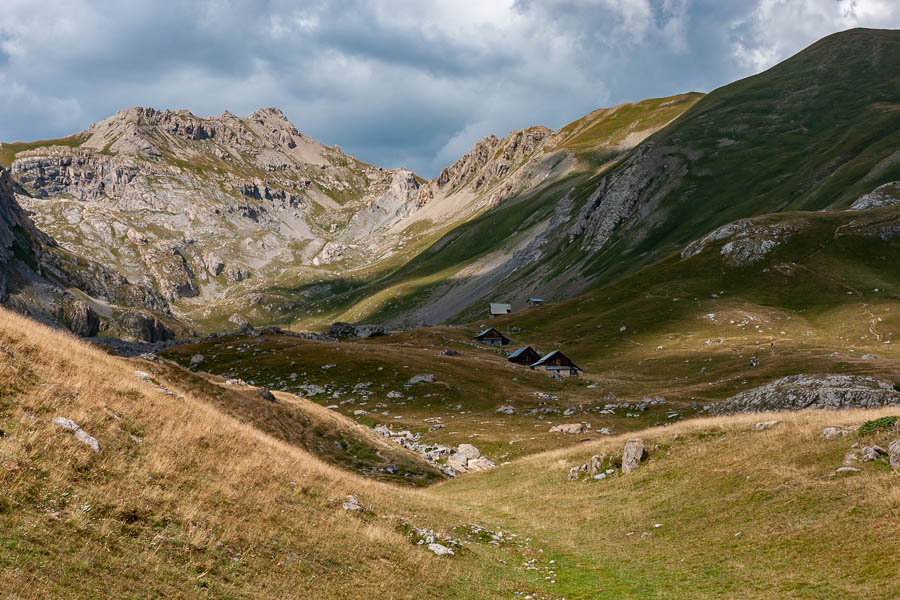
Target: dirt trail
x,y
872,323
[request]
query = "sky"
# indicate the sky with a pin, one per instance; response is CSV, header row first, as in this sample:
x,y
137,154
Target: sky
x,y
411,83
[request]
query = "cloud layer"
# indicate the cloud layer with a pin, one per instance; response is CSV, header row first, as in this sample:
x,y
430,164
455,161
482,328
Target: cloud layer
x,y
396,83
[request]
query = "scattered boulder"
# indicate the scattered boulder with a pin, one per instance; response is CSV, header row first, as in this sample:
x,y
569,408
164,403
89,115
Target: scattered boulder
x,y
423,378
765,425
894,454
633,454
80,434
196,360
352,504
872,453
440,549
846,470
573,428
799,392
266,394
450,353
470,451
458,462
507,410
835,431
144,375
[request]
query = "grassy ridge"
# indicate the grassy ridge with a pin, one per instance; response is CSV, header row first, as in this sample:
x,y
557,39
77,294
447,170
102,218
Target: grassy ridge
x,y
9,150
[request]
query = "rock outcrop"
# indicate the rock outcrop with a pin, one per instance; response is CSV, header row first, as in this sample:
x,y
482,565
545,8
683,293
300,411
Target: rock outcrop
x,y
80,434
342,330
884,195
799,392
40,279
749,241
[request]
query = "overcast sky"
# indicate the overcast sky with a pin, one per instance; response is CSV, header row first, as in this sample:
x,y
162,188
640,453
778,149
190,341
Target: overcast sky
x,y
398,82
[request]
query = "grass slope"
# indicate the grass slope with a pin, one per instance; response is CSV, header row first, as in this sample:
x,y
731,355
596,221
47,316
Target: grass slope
x,y
206,506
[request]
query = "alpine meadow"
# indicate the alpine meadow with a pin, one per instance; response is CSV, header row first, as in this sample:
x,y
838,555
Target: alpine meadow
x,y
651,353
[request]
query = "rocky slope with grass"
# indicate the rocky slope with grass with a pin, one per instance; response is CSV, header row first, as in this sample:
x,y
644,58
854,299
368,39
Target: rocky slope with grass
x,y
815,132
231,219
56,286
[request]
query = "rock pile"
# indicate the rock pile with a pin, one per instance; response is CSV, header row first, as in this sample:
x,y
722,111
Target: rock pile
x,y
441,545
464,458
468,458
835,431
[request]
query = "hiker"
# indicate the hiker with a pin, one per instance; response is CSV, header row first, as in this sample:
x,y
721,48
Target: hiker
x,y
772,345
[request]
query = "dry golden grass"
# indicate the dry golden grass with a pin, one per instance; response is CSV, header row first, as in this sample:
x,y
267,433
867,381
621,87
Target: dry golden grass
x,y
205,504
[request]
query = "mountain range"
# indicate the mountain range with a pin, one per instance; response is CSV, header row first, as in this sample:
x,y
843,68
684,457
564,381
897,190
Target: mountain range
x,y
723,269
203,224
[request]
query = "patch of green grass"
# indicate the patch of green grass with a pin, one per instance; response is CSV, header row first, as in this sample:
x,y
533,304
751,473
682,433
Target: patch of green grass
x,y
876,425
9,150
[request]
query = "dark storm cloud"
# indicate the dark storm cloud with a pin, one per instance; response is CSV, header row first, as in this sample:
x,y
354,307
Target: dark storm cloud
x,y
403,82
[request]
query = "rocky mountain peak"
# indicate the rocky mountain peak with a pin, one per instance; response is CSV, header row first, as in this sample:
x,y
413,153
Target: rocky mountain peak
x,y
491,159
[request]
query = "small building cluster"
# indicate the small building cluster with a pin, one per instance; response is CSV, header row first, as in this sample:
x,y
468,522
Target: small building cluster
x,y
555,362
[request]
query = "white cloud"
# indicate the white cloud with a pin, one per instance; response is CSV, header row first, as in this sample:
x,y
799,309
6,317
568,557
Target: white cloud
x,y
776,29
409,82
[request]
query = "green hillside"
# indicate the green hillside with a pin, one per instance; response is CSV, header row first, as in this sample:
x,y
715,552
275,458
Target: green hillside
x,y
817,130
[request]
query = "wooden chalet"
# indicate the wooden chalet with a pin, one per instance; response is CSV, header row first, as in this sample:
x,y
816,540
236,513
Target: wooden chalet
x,y
492,337
557,362
526,355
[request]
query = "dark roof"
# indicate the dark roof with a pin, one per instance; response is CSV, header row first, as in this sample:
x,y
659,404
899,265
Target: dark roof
x,y
487,331
521,350
550,355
